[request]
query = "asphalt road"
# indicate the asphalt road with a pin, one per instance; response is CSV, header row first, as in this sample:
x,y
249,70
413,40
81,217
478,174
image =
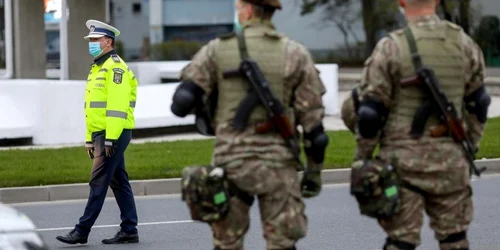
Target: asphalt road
x,y
334,223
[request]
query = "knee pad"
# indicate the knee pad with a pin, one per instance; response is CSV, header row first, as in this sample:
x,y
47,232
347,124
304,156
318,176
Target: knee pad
x,y
401,245
477,103
185,98
371,118
315,143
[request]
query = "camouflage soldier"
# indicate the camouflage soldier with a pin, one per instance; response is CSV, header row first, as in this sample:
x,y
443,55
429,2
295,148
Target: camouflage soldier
x,y
257,161
432,168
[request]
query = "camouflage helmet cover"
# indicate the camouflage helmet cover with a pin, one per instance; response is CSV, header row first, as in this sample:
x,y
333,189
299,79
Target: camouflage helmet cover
x,y
272,3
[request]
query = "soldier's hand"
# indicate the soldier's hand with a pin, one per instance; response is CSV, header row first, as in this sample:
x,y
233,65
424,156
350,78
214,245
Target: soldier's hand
x,y
109,147
90,149
311,183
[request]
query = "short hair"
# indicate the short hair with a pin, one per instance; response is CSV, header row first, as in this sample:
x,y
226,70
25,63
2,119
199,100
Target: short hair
x,y
112,41
264,12
419,2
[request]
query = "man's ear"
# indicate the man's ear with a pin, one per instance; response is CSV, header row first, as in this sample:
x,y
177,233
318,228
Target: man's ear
x,y
249,11
402,3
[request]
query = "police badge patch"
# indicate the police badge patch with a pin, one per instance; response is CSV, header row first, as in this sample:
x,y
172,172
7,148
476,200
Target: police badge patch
x,y
118,75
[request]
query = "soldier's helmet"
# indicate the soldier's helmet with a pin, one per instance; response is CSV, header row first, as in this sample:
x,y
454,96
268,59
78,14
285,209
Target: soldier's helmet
x,y
271,3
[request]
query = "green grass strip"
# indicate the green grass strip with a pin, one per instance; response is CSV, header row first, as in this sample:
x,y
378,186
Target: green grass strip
x,y
164,160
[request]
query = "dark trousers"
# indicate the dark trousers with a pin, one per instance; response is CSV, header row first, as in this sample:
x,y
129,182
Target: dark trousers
x,y
109,171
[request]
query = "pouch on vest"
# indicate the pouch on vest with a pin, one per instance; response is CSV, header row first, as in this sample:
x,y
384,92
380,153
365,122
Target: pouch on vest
x,y
376,187
205,190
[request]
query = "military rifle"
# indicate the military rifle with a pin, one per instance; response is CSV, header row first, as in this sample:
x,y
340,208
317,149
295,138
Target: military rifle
x,y
260,91
276,112
446,110
448,115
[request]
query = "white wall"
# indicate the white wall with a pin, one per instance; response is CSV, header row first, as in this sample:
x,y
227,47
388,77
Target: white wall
x,y
51,111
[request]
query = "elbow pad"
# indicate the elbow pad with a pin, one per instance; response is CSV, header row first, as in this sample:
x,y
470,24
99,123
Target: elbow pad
x,y
477,103
315,143
371,118
185,98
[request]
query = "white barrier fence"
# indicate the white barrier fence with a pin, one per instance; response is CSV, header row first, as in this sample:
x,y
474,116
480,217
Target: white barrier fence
x,y
51,111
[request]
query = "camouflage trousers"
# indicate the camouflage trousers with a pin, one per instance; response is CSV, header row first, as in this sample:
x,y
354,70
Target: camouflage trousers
x,y
450,216
280,203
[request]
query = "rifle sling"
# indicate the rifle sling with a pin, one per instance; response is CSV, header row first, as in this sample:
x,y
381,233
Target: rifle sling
x,y
424,111
242,46
252,100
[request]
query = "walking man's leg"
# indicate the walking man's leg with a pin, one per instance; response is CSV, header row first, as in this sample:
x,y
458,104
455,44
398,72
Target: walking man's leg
x,y
102,171
124,197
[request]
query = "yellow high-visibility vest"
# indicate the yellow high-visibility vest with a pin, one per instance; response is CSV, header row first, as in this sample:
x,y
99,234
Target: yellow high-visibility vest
x,y
110,97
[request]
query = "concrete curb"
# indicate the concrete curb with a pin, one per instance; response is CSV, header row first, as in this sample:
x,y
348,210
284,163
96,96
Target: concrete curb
x,y
159,186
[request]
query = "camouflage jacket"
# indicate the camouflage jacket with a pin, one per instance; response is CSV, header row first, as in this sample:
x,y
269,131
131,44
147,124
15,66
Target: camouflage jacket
x,y
300,74
381,72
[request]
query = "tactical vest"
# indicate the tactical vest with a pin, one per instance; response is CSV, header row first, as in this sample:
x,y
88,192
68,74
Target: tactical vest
x,y
441,50
267,48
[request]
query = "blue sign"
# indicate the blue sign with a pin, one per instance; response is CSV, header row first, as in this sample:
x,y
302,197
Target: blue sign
x,y
49,17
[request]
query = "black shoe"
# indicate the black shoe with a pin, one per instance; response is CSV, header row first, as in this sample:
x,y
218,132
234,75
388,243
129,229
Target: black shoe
x,y
73,237
121,238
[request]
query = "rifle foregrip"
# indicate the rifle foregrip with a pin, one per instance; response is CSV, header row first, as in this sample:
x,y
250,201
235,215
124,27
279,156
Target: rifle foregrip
x,y
284,126
457,130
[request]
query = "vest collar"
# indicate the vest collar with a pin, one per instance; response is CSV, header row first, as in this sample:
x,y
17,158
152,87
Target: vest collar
x,y
257,22
427,20
103,58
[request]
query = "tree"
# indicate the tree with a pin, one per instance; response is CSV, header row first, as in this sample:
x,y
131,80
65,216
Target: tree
x,y
377,15
343,13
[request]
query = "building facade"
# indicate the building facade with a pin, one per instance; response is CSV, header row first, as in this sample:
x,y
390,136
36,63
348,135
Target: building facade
x,y
144,22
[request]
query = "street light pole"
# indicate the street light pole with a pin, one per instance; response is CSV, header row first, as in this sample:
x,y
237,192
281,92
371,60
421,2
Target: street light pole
x,y
63,31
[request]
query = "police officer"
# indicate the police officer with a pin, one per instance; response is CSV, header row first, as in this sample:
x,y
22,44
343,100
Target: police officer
x,y
258,162
431,165
110,97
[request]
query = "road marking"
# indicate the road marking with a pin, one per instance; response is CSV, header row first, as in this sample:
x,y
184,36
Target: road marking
x,y
108,226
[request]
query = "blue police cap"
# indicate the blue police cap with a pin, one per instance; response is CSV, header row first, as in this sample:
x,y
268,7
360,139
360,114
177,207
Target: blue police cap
x,y
99,29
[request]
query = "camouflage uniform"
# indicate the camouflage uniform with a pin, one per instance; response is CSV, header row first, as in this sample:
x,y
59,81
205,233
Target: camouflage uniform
x,y
260,164
435,170
349,109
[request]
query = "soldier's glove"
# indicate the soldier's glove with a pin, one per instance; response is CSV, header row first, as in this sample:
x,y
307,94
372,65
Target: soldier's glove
x,y
109,147
311,183
90,149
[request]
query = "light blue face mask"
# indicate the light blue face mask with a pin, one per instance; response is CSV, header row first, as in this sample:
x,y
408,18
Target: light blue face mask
x,y
401,10
95,49
237,25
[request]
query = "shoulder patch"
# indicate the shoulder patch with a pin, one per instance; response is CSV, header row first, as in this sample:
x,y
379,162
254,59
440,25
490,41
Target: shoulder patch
x,y
118,75
115,57
273,34
227,35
